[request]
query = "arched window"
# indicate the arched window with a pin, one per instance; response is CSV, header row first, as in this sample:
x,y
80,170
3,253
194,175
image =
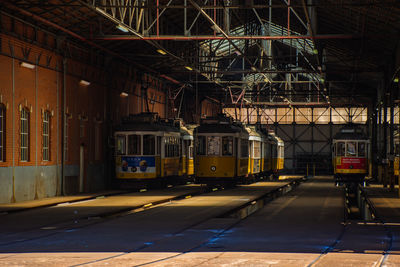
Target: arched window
x,y
24,134
46,136
2,132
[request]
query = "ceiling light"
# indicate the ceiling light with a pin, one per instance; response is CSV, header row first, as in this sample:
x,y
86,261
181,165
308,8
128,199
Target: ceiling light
x,y
27,65
188,68
122,28
396,80
123,94
84,83
162,52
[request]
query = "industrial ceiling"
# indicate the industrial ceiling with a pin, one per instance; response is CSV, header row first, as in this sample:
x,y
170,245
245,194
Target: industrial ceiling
x,y
252,52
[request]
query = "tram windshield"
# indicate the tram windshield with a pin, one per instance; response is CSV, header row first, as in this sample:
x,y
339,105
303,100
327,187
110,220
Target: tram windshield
x,y
351,149
341,149
361,149
134,144
227,146
149,144
201,145
213,145
121,145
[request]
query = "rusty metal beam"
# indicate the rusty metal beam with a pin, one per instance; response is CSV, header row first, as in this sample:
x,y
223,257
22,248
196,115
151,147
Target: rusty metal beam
x,y
227,37
83,39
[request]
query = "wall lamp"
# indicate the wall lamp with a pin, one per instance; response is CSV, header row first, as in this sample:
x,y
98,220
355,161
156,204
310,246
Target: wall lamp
x,y
27,65
84,83
123,94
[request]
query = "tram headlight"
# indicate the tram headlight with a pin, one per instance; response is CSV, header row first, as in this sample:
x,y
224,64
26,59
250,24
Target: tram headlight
x,y
213,168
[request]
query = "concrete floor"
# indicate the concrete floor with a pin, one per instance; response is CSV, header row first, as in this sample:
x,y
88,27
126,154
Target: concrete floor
x,y
303,228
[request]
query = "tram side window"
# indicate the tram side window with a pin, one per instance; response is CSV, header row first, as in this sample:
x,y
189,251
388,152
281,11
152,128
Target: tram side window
x,y
361,149
134,144
227,146
201,145
149,145
120,145
244,148
274,149
340,149
281,152
256,149
158,145
351,149
213,146
190,149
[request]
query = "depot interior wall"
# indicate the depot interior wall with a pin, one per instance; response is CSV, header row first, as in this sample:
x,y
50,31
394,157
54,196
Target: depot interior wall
x,y
34,90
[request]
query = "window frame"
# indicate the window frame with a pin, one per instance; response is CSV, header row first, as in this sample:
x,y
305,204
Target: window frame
x,y
215,141
139,149
24,134
201,143
152,151
46,135
117,138
230,146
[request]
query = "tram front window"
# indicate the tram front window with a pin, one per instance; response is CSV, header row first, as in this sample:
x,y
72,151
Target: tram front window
x,y
361,149
201,145
227,146
134,144
351,149
120,145
340,149
213,146
149,146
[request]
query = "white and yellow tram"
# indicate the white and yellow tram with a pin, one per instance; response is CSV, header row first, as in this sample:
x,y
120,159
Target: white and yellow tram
x,y
147,149
222,151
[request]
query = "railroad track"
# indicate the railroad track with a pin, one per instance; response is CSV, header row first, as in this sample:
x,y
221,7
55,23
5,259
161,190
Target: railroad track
x,y
355,215
240,213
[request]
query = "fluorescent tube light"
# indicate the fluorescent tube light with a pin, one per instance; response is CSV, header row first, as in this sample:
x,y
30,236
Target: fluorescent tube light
x,y
162,52
122,28
27,65
84,83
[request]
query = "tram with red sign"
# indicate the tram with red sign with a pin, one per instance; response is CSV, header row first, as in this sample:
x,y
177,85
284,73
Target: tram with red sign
x,y
350,155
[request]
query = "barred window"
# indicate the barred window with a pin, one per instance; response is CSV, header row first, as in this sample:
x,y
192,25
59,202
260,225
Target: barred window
x,y
46,136
2,132
24,135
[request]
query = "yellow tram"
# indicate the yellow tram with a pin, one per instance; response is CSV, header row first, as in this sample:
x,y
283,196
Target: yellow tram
x,y
146,149
350,155
222,151
256,156
186,160
276,155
